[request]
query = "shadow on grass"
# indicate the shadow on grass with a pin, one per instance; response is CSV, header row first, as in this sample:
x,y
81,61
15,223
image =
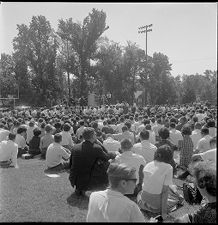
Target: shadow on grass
x,y
78,201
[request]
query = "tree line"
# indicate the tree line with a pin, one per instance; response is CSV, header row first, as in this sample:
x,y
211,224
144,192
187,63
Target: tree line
x,y
47,66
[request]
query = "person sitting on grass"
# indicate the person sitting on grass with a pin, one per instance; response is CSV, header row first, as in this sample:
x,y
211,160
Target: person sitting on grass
x,y
55,155
111,205
20,140
67,141
35,142
205,176
132,160
8,152
46,140
164,135
88,163
159,194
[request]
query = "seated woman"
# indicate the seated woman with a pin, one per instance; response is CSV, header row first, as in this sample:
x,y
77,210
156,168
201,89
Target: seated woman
x,y
158,194
34,143
205,175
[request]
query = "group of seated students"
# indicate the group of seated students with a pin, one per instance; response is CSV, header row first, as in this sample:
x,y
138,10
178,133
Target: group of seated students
x,y
121,154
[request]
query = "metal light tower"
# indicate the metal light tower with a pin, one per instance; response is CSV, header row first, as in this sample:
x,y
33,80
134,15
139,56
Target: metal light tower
x,y
145,29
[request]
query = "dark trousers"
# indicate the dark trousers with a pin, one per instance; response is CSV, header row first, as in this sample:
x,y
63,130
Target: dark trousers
x,y
22,151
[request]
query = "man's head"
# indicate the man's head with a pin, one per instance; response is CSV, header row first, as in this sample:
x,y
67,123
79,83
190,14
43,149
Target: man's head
x,y
48,128
57,138
89,134
126,145
11,136
144,135
197,126
122,178
204,131
164,133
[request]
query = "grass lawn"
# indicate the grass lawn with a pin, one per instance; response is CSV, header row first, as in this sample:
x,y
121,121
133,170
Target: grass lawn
x,y
28,195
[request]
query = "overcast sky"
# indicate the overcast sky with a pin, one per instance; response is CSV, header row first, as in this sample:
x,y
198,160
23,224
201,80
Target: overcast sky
x,y
185,32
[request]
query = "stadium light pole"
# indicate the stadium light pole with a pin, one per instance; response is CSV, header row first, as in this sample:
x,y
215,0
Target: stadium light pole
x,y
145,29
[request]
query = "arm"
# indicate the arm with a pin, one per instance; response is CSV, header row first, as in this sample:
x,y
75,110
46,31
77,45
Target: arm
x,y
164,197
14,157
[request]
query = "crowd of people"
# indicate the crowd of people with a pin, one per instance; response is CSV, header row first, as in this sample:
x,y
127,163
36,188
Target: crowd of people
x,y
120,153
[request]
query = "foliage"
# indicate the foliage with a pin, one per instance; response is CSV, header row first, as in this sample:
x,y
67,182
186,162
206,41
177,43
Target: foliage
x,y
49,65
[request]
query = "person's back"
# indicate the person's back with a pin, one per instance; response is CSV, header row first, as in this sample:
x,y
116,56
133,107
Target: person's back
x,y
196,134
145,148
83,158
204,143
111,145
111,205
175,135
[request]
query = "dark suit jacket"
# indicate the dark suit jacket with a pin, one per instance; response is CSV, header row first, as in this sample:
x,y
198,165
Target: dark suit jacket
x,y
88,165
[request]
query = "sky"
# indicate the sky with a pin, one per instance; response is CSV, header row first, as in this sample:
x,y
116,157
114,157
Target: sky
x,y
185,32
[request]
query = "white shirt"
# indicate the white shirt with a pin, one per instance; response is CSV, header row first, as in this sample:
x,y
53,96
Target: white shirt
x,y
124,135
157,174
212,131
152,137
175,136
3,134
20,140
131,160
209,155
195,136
145,149
156,128
112,206
119,127
54,155
8,151
204,144
66,138
111,145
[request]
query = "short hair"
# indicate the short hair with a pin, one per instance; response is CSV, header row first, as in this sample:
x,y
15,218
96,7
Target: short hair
x,y
48,128
88,133
31,123
172,125
66,127
124,128
117,172
163,154
186,130
198,125
210,123
57,138
128,124
195,119
148,127
205,174
57,125
126,144
164,132
11,136
81,122
144,134
205,131
94,124
37,131
21,130
213,141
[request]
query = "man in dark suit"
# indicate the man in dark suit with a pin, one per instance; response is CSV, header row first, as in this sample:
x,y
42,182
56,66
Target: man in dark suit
x,y
88,163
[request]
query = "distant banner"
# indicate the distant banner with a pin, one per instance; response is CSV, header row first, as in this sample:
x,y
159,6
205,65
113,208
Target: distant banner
x,y
137,94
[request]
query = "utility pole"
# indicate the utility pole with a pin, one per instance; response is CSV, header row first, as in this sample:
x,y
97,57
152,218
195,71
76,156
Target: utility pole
x,y
68,75
145,29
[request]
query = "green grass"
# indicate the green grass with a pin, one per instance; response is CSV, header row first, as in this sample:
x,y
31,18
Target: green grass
x,y
28,195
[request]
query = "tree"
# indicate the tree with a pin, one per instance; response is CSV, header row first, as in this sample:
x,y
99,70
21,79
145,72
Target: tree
x,y
83,38
38,46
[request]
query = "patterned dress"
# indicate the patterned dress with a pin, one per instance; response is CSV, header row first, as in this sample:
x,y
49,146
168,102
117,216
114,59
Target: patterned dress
x,y
185,147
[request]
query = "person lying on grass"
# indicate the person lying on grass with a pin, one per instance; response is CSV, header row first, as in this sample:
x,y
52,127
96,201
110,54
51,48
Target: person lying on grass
x,y
55,155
